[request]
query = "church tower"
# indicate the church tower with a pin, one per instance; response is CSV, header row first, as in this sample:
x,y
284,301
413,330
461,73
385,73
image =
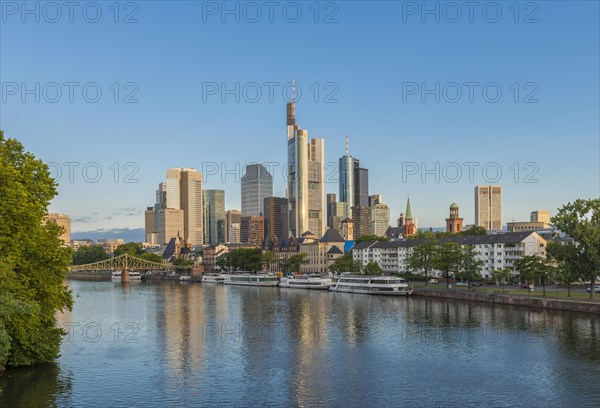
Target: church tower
x,y
409,226
454,223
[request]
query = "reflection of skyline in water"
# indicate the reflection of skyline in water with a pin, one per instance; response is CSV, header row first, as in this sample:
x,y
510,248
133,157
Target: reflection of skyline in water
x,y
218,344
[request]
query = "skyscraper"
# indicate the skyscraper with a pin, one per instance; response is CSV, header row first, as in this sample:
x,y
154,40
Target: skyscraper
x,y
306,179
232,220
488,207
256,184
252,230
361,217
170,224
277,225
214,216
150,226
346,181
64,221
361,185
182,190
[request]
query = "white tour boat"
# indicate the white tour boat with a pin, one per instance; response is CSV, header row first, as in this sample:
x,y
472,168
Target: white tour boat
x,y
306,282
372,285
251,280
213,277
133,275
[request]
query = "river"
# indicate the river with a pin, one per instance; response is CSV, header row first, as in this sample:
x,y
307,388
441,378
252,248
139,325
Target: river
x,y
159,344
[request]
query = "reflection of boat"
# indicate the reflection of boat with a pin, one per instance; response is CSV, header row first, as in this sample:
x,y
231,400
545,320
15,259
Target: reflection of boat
x,y
133,275
251,280
306,282
372,285
213,278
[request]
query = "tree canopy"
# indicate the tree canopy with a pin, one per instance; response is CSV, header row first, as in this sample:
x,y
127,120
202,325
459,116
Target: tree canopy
x,y
33,261
345,263
89,254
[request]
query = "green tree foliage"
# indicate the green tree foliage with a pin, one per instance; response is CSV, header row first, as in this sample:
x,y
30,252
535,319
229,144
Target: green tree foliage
x,y
246,259
293,263
502,276
373,269
268,259
581,221
130,248
447,260
89,254
223,262
183,262
149,256
533,269
366,238
33,261
421,257
469,264
565,260
345,263
474,230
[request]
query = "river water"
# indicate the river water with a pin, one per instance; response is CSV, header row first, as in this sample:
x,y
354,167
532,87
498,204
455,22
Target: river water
x,y
162,344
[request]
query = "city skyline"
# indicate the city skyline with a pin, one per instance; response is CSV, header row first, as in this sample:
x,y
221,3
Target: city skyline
x,y
386,126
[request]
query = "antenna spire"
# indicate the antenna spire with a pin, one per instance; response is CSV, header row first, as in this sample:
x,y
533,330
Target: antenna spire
x,y
294,90
346,144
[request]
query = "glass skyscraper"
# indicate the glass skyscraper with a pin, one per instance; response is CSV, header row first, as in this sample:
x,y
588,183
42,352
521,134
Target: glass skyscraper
x,y
257,184
214,216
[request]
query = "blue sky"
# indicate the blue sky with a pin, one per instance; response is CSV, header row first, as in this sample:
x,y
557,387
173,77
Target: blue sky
x,y
371,59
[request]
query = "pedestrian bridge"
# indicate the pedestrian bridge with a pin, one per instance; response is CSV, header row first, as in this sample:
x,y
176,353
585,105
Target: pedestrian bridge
x,y
126,263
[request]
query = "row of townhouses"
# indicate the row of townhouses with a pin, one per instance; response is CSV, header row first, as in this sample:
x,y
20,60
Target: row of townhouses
x,y
497,251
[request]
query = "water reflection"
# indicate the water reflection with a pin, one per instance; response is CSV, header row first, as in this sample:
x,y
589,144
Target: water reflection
x,y
222,345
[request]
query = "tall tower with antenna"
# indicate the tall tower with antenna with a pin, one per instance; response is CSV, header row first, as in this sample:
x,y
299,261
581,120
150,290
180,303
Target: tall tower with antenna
x,y
346,180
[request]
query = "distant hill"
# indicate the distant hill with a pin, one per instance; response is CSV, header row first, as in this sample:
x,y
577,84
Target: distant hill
x,y
128,234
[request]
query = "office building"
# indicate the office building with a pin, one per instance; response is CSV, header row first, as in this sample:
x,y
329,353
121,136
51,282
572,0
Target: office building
x,y
214,217
252,230
375,199
361,216
170,224
381,219
150,233
257,184
346,179
488,207
542,216
63,221
183,190
361,185
276,225
306,179
232,217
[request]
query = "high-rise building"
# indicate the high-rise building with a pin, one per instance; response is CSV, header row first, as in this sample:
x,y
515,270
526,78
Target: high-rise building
x,y
454,223
361,216
541,216
348,229
346,181
214,217
181,190
252,230
64,221
150,226
330,201
488,207
256,184
381,219
170,224
232,217
361,185
277,226
375,199
306,179
233,233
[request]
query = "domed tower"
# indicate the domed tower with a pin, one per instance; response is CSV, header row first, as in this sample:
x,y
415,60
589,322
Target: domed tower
x,y
454,223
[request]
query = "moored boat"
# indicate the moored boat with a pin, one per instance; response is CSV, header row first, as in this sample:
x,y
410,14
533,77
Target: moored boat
x,y
371,285
306,282
133,275
251,280
213,277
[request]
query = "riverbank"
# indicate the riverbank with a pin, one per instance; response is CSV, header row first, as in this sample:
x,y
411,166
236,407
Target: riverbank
x,y
511,299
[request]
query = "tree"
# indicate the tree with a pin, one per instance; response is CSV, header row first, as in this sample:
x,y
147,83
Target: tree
x,y
474,230
183,262
564,257
223,262
365,238
89,254
268,259
581,221
345,263
421,257
469,264
373,269
533,269
246,259
149,256
502,276
293,263
33,261
130,248
447,260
